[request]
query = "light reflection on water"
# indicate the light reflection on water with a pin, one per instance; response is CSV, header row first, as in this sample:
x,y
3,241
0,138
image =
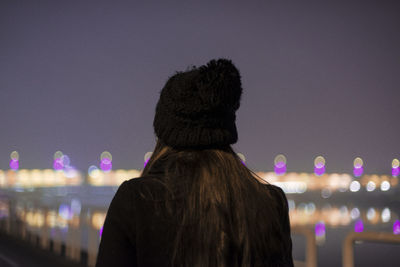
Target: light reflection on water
x,y
62,210
301,214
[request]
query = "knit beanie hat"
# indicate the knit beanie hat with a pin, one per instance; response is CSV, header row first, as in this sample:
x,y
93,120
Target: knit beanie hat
x,y
197,107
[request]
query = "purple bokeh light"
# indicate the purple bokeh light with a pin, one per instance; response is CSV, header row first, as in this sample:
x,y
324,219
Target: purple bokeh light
x,y
101,231
65,160
65,212
396,227
58,164
280,169
358,226
395,171
14,164
320,229
145,163
358,171
106,165
319,170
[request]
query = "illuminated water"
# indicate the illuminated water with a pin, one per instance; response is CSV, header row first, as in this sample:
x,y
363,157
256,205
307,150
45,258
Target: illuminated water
x,y
330,214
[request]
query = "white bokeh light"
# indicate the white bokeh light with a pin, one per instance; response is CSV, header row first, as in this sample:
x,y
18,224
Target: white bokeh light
x,y
385,215
371,186
242,157
355,186
385,186
371,214
354,213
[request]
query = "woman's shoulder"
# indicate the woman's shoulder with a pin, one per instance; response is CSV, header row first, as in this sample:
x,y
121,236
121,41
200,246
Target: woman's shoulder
x,y
275,189
144,187
277,193
143,180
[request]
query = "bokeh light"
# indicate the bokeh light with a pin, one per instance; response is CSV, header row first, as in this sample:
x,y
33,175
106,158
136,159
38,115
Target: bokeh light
x,y
101,231
395,167
106,165
319,165
14,155
358,167
310,208
396,227
385,215
320,229
242,157
395,163
64,212
354,213
371,213
70,171
98,220
358,162
14,165
106,161
106,155
385,186
371,186
280,160
355,186
58,161
326,193
358,226
91,169
65,160
280,164
57,165
58,155
76,206
147,157
14,162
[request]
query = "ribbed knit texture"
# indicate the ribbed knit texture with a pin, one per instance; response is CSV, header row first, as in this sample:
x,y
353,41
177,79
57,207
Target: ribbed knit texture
x,y
197,108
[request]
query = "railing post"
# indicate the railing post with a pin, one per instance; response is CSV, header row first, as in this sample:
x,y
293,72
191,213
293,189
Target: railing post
x,y
348,251
7,226
57,242
311,245
93,245
73,242
378,237
24,232
44,232
311,255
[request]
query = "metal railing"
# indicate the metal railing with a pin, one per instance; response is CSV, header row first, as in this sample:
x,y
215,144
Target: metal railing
x,y
311,246
73,246
377,237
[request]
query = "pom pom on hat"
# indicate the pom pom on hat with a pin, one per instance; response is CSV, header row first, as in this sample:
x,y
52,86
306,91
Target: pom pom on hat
x,y
197,108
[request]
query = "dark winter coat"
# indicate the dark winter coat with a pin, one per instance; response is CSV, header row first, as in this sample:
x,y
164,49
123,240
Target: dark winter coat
x,y
135,234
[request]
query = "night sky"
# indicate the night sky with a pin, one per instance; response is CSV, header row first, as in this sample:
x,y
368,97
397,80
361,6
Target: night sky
x,y
84,76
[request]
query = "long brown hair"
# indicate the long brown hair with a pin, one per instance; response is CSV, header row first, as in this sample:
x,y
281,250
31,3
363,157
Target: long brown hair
x,y
226,215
